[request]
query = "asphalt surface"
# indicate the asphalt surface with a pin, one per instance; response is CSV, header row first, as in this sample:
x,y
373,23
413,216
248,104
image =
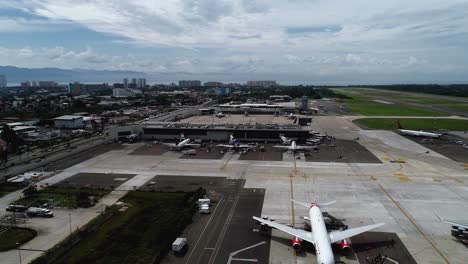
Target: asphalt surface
x,y
270,154
229,227
372,246
40,162
241,232
95,180
202,153
446,146
150,149
349,151
82,156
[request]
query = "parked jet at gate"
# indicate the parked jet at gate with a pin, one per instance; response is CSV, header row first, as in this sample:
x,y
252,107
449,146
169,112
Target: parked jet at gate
x,y
319,236
419,133
235,144
294,147
184,143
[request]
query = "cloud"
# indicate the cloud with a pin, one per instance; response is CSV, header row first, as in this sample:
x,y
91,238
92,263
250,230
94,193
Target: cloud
x,y
324,36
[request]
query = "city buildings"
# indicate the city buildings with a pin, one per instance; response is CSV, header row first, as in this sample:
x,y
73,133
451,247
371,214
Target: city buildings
x,y
123,93
213,84
305,103
189,83
3,83
77,88
125,83
262,83
141,83
223,91
69,121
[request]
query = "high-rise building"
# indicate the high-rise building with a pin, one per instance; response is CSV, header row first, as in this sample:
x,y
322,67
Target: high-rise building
x,y
262,83
141,83
3,83
77,88
125,83
223,91
305,103
134,83
189,83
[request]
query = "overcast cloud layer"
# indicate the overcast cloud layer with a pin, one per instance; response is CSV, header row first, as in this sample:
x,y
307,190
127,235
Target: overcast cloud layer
x,y
301,41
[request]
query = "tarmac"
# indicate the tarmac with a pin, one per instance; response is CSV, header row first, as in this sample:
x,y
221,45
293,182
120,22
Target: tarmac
x,y
409,189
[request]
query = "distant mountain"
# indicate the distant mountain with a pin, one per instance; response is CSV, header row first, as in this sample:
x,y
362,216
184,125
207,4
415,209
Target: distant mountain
x,y
17,75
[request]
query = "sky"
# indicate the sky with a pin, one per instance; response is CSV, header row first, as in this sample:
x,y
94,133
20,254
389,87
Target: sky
x,y
292,41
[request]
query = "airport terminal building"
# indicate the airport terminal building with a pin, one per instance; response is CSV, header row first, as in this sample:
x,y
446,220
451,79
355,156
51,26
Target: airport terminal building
x,y
261,133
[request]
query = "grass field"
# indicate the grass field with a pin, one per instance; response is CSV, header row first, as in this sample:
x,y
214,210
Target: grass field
x,y
63,197
6,188
142,233
361,94
363,105
414,124
14,235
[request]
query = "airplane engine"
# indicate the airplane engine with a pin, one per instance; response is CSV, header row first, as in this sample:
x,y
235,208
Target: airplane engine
x,y
345,245
296,244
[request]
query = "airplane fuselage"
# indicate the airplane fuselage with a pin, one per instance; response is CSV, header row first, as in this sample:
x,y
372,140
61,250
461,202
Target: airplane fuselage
x,y
323,247
183,143
419,133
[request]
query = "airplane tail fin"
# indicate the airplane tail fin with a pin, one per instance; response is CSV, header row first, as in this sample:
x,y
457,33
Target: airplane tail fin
x,y
399,125
312,204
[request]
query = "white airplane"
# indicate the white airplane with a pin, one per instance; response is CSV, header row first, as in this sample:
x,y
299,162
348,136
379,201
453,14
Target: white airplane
x,y
319,235
184,143
455,224
294,147
285,140
419,133
220,114
234,144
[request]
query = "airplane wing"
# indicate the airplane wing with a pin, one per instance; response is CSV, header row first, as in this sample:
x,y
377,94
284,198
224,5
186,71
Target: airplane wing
x,y
225,146
304,147
283,147
169,144
191,145
454,224
340,235
304,235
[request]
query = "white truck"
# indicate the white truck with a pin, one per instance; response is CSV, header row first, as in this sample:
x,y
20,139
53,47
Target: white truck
x,y
40,212
204,209
179,244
